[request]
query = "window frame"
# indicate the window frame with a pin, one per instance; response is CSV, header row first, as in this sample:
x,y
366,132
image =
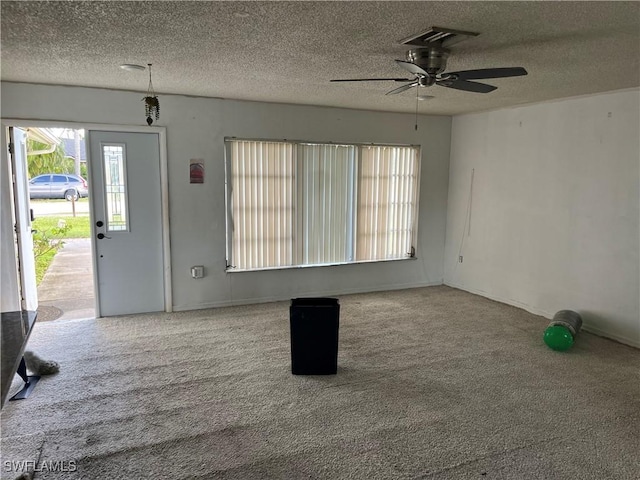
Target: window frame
x,y
125,180
353,201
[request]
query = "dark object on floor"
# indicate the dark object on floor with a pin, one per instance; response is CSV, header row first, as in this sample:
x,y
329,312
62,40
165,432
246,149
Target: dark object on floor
x,y
314,336
561,332
40,366
30,382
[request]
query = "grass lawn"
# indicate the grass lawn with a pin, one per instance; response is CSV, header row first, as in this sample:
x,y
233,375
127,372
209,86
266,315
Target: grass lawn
x,y
78,228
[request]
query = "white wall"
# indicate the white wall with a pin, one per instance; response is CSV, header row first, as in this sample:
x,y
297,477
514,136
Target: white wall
x,y
554,219
196,128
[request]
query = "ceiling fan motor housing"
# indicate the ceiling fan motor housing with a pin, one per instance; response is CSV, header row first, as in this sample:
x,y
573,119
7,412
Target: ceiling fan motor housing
x,y
431,59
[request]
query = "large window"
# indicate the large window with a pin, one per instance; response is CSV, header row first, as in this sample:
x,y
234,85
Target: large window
x,y
301,204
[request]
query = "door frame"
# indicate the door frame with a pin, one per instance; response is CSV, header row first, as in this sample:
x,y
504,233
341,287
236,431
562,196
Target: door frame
x,y
23,219
164,189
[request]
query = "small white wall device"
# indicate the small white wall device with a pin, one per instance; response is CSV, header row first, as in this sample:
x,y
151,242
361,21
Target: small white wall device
x,y
197,271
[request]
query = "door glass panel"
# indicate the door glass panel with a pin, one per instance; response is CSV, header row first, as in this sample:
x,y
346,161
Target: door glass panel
x,y
113,157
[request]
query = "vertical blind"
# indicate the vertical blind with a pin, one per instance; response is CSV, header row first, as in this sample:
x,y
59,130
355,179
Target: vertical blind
x,y
324,191
263,208
316,204
387,202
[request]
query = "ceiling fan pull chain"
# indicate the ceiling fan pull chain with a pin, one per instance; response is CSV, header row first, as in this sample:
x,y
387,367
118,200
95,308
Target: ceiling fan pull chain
x,y
417,90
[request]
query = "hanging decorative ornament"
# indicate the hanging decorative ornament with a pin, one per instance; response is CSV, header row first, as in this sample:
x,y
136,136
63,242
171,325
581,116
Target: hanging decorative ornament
x,y
151,102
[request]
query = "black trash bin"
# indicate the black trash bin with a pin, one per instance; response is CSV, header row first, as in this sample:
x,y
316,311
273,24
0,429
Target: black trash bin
x,y
314,336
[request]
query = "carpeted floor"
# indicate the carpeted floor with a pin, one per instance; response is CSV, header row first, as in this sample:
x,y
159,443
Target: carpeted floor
x,y
21,454
433,383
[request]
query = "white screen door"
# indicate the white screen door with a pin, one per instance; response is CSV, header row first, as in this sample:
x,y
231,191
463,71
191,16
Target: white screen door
x,y
127,206
28,289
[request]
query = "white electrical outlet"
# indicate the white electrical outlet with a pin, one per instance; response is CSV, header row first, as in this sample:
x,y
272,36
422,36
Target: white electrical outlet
x,y
197,271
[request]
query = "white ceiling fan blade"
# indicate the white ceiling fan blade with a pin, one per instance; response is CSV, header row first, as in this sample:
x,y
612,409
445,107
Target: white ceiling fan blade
x,y
413,68
402,88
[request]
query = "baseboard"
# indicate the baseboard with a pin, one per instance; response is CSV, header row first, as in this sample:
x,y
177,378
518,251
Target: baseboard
x,y
543,313
280,298
497,298
617,338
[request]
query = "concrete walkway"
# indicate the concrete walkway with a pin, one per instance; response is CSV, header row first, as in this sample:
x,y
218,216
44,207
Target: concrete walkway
x,y
68,284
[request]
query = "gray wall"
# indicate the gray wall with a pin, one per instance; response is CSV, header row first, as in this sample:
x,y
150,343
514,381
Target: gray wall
x,y
553,221
196,128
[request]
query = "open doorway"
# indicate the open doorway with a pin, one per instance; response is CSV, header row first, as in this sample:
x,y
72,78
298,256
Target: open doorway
x,y
127,213
125,266
59,193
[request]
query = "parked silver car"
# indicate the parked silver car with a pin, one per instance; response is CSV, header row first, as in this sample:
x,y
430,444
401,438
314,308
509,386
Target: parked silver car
x,y
58,185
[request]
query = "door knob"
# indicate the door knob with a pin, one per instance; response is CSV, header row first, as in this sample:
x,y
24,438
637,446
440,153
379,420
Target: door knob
x,y
101,236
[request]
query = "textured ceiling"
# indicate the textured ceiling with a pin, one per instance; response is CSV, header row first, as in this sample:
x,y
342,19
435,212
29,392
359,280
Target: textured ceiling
x,y
288,51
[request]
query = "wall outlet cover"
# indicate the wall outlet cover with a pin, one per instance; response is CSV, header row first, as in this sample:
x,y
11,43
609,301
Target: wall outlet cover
x,y
197,271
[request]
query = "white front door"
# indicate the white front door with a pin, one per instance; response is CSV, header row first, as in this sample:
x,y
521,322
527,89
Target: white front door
x,y
126,198
26,264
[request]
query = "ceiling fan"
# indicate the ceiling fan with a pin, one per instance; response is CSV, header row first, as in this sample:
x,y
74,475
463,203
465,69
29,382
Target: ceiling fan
x,y
428,63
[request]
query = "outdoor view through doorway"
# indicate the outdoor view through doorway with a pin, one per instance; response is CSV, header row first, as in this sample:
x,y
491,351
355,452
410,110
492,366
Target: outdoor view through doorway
x,y
59,198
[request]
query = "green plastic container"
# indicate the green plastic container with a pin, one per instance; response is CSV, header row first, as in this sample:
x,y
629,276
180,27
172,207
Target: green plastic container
x,y
561,332
558,338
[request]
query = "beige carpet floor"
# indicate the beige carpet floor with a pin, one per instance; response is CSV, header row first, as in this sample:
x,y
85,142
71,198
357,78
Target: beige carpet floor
x,y
433,383
21,455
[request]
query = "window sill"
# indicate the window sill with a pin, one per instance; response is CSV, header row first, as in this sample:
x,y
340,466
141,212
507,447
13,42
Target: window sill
x,y
297,267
